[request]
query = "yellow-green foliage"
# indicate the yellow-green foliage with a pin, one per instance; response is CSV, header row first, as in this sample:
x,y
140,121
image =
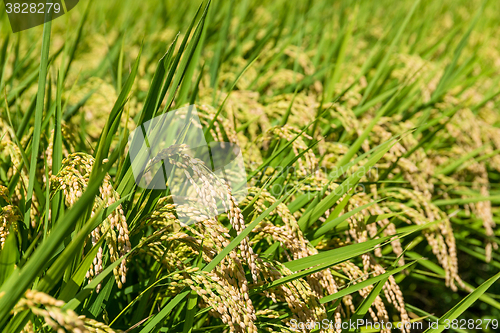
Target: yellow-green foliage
x,y
370,134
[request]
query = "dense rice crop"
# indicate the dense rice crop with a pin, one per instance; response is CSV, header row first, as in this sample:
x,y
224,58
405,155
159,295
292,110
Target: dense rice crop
x,y
370,133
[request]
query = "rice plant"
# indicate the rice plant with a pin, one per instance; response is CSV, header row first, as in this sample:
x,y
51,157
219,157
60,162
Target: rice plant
x,y
369,136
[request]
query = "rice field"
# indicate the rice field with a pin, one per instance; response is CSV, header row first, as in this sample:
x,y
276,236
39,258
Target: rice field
x,y
365,140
